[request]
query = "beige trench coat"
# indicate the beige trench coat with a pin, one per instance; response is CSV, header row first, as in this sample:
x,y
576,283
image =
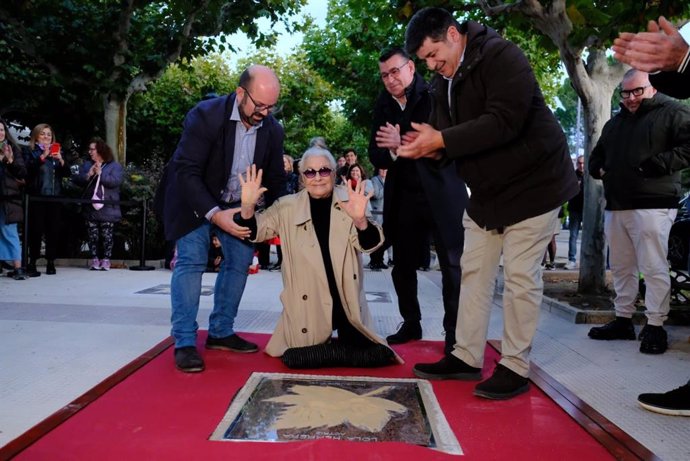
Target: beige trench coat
x,y
306,319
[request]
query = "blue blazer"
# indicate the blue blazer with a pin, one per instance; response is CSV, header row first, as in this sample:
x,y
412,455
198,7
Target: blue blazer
x,y
201,164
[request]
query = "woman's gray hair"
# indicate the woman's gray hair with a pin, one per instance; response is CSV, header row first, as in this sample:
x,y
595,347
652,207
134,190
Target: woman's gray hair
x,y
318,141
317,152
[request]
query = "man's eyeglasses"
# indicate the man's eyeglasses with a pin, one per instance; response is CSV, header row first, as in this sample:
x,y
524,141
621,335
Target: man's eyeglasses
x,y
310,173
625,94
258,107
394,72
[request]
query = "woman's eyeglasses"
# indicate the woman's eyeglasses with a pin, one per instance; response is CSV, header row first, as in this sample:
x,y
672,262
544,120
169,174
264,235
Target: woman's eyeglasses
x,y
310,173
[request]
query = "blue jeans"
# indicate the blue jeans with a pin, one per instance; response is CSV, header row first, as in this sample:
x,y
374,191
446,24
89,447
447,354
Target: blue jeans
x,y
574,225
185,286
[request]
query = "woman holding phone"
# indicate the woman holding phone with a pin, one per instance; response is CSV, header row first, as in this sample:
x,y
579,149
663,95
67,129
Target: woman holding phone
x,y
46,167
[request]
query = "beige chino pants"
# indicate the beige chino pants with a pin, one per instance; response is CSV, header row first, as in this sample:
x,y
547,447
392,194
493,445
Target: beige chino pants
x,y
638,243
522,245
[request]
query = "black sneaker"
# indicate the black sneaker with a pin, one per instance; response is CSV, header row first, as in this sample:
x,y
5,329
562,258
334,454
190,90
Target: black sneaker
x,y
408,331
620,328
449,367
187,359
31,271
50,268
654,340
674,403
504,384
19,274
231,343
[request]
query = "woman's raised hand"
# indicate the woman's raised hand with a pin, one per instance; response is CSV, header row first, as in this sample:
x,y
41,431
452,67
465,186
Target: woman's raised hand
x,y
356,205
252,190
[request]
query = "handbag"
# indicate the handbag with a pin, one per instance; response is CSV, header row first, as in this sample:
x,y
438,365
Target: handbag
x,y
98,194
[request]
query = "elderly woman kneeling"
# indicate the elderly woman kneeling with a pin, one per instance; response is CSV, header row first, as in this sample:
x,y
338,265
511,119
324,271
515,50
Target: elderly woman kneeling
x,y
321,230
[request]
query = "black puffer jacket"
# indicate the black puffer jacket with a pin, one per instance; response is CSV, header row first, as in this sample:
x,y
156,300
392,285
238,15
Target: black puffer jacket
x,y
506,143
11,184
642,154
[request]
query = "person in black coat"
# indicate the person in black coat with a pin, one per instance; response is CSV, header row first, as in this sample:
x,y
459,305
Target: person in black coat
x,y
46,167
489,118
419,197
12,174
665,51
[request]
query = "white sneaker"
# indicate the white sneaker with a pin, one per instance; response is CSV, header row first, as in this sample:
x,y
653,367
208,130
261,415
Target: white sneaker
x,y
570,265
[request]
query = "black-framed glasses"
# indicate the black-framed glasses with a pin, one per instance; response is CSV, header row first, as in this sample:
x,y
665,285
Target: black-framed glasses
x,y
259,107
324,171
625,94
394,72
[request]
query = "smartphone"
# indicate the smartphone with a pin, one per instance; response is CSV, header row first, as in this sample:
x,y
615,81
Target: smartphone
x,y
55,148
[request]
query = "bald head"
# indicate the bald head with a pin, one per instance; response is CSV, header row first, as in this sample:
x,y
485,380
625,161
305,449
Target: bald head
x,y
257,76
635,87
258,93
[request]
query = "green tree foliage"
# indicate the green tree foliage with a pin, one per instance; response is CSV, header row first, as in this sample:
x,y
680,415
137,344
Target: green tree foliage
x,y
345,50
84,58
311,107
156,115
582,30
309,104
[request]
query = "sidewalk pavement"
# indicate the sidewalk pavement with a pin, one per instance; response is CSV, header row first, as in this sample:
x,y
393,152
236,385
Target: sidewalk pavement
x,y
63,334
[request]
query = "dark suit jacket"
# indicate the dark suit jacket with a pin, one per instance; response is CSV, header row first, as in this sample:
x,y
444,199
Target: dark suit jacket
x,y
201,164
444,191
672,83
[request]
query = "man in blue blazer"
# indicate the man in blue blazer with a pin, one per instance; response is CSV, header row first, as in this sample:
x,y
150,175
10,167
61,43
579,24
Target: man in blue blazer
x,y
220,139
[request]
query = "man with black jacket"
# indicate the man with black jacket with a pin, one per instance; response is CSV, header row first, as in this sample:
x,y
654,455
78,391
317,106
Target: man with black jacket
x,y
639,157
664,50
490,119
419,197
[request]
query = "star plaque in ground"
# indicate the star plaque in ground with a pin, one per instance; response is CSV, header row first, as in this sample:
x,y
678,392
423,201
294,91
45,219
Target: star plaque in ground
x,y
290,407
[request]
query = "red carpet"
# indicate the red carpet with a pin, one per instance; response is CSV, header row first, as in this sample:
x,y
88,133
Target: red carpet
x,y
159,413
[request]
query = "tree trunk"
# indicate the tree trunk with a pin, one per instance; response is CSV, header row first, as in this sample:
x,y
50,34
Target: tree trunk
x,y
115,110
592,279
596,97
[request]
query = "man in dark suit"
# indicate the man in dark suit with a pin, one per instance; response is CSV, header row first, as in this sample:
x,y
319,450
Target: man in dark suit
x,y
418,197
221,138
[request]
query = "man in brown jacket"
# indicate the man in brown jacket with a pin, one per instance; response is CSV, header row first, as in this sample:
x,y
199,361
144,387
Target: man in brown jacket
x,y
490,119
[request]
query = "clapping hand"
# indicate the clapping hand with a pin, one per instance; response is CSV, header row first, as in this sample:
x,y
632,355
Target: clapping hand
x,y
422,141
388,136
6,153
356,204
660,48
95,169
